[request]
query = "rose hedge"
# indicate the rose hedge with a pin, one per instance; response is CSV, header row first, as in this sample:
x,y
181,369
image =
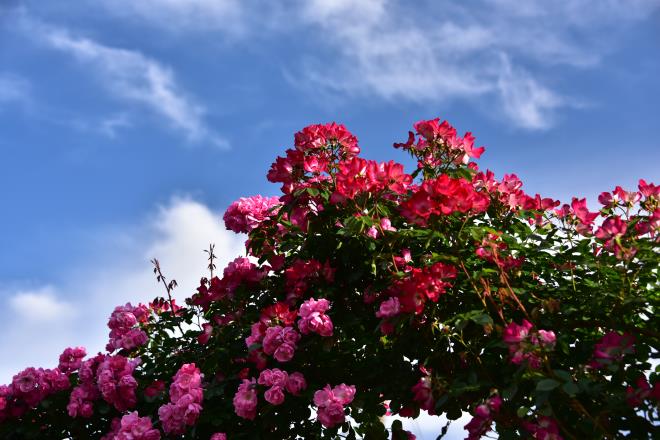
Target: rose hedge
x,y
371,291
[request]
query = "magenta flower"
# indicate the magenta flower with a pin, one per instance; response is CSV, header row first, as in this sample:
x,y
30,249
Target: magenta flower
x,y
274,377
186,395
526,345
296,383
247,213
133,427
331,403
71,359
245,400
389,308
313,317
115,380
611,348
483,418
280,342
124,330
423,394
274,395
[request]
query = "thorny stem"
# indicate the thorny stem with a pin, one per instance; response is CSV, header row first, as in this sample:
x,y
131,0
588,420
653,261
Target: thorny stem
x,y
476,290
168,287
504,279
211,258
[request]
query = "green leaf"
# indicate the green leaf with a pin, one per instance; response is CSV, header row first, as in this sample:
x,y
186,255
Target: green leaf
x,y
570,388
547,385
563,375
522,411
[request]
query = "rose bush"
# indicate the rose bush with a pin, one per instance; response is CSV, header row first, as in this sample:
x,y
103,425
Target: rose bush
x,y
370,290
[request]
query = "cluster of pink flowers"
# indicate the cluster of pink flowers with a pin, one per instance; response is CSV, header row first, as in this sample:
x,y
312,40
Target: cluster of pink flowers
x,y
331,403
186,397
313,317
132,427
544,428
635,396
247,213
71,359
239,272
115,380
278,381
124,330
278,313
509,193
443,196
434,134
315,146
275,314
421,284
28,388
357,175
525,344
81,401
292,167
621,197
483,418
280,342
245,400
314,137
611,348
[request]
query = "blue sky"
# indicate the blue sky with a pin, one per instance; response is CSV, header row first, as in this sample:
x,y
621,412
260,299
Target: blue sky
x,y
127,127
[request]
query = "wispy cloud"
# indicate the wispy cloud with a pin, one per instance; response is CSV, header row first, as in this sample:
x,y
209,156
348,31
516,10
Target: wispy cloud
x,y
184,15
491,52
524,100
449,51
136,78
39,323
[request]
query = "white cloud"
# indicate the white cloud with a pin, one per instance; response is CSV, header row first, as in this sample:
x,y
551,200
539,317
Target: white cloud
x,y
425,52
450,51
136,78
524,99
40,323
427,427
232,18
41,305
